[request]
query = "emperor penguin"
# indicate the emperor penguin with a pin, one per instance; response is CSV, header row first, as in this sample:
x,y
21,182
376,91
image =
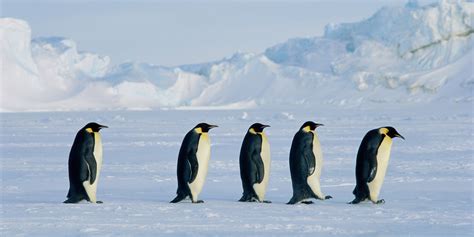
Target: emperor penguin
x,y
372,162
306,162
193,160
255,164
85,162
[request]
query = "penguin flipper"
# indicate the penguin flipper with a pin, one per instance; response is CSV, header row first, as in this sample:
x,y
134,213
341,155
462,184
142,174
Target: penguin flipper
x,y
373,172
88,155
309,158
370,171
92,168
372,162
193,165
257,167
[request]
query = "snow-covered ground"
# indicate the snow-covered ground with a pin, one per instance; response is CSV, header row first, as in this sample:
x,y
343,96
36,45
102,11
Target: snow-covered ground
x,y
428,188
408,66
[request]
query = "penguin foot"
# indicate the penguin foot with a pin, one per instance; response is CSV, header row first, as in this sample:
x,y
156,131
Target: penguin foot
x,y
307,202
246,200
381,201
254,199
327,197
99,202
199,201
266,201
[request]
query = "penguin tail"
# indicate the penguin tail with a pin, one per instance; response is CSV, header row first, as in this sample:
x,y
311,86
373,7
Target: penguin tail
x,y
73,200
361,191
68,201
293,200
243,199
178,198
355,191
246,197
76,196
355,201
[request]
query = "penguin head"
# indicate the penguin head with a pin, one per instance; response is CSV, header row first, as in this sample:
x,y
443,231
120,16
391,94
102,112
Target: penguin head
x,y
94,127
310,126
257,128
391,132
204,127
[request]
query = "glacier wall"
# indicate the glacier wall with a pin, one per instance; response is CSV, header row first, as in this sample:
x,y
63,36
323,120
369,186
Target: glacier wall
x,y
406,55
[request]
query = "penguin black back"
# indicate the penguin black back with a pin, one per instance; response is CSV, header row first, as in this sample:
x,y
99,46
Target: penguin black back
x,y
82,148
188,167
82,165
187,163
306,164
366,155
302,162
366,162
252,167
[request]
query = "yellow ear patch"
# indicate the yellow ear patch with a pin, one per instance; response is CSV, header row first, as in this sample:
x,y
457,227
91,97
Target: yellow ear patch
x,y
198,130
89,130
306,129
252,131
383,131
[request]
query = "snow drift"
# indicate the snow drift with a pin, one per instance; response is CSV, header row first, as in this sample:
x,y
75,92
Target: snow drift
x,y
399,55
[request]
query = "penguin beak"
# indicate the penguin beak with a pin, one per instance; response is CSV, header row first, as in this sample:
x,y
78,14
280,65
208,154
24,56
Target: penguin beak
x,y
400,136
265,126
319,124
103,126
213,126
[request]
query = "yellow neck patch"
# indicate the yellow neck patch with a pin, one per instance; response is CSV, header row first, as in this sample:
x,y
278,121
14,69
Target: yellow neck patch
x,y
383,131
89,130
198,130
252,131
306,129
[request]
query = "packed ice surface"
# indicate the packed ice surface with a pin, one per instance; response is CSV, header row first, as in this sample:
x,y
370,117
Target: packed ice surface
x,y
428,188
401,54
409,67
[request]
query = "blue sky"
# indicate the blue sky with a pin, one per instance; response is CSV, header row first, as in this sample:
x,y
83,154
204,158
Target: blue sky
x,y
182,32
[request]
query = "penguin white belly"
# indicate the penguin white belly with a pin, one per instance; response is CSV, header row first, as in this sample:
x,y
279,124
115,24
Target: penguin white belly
x,y
203,155
91,190
260,188
313,180
383,156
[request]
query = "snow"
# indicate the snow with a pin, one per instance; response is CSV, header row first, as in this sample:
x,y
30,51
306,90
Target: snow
x,y
410,67
428,187
401,54
19,71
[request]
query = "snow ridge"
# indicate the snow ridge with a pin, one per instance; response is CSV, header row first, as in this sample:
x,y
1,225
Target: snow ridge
x,y
401,54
